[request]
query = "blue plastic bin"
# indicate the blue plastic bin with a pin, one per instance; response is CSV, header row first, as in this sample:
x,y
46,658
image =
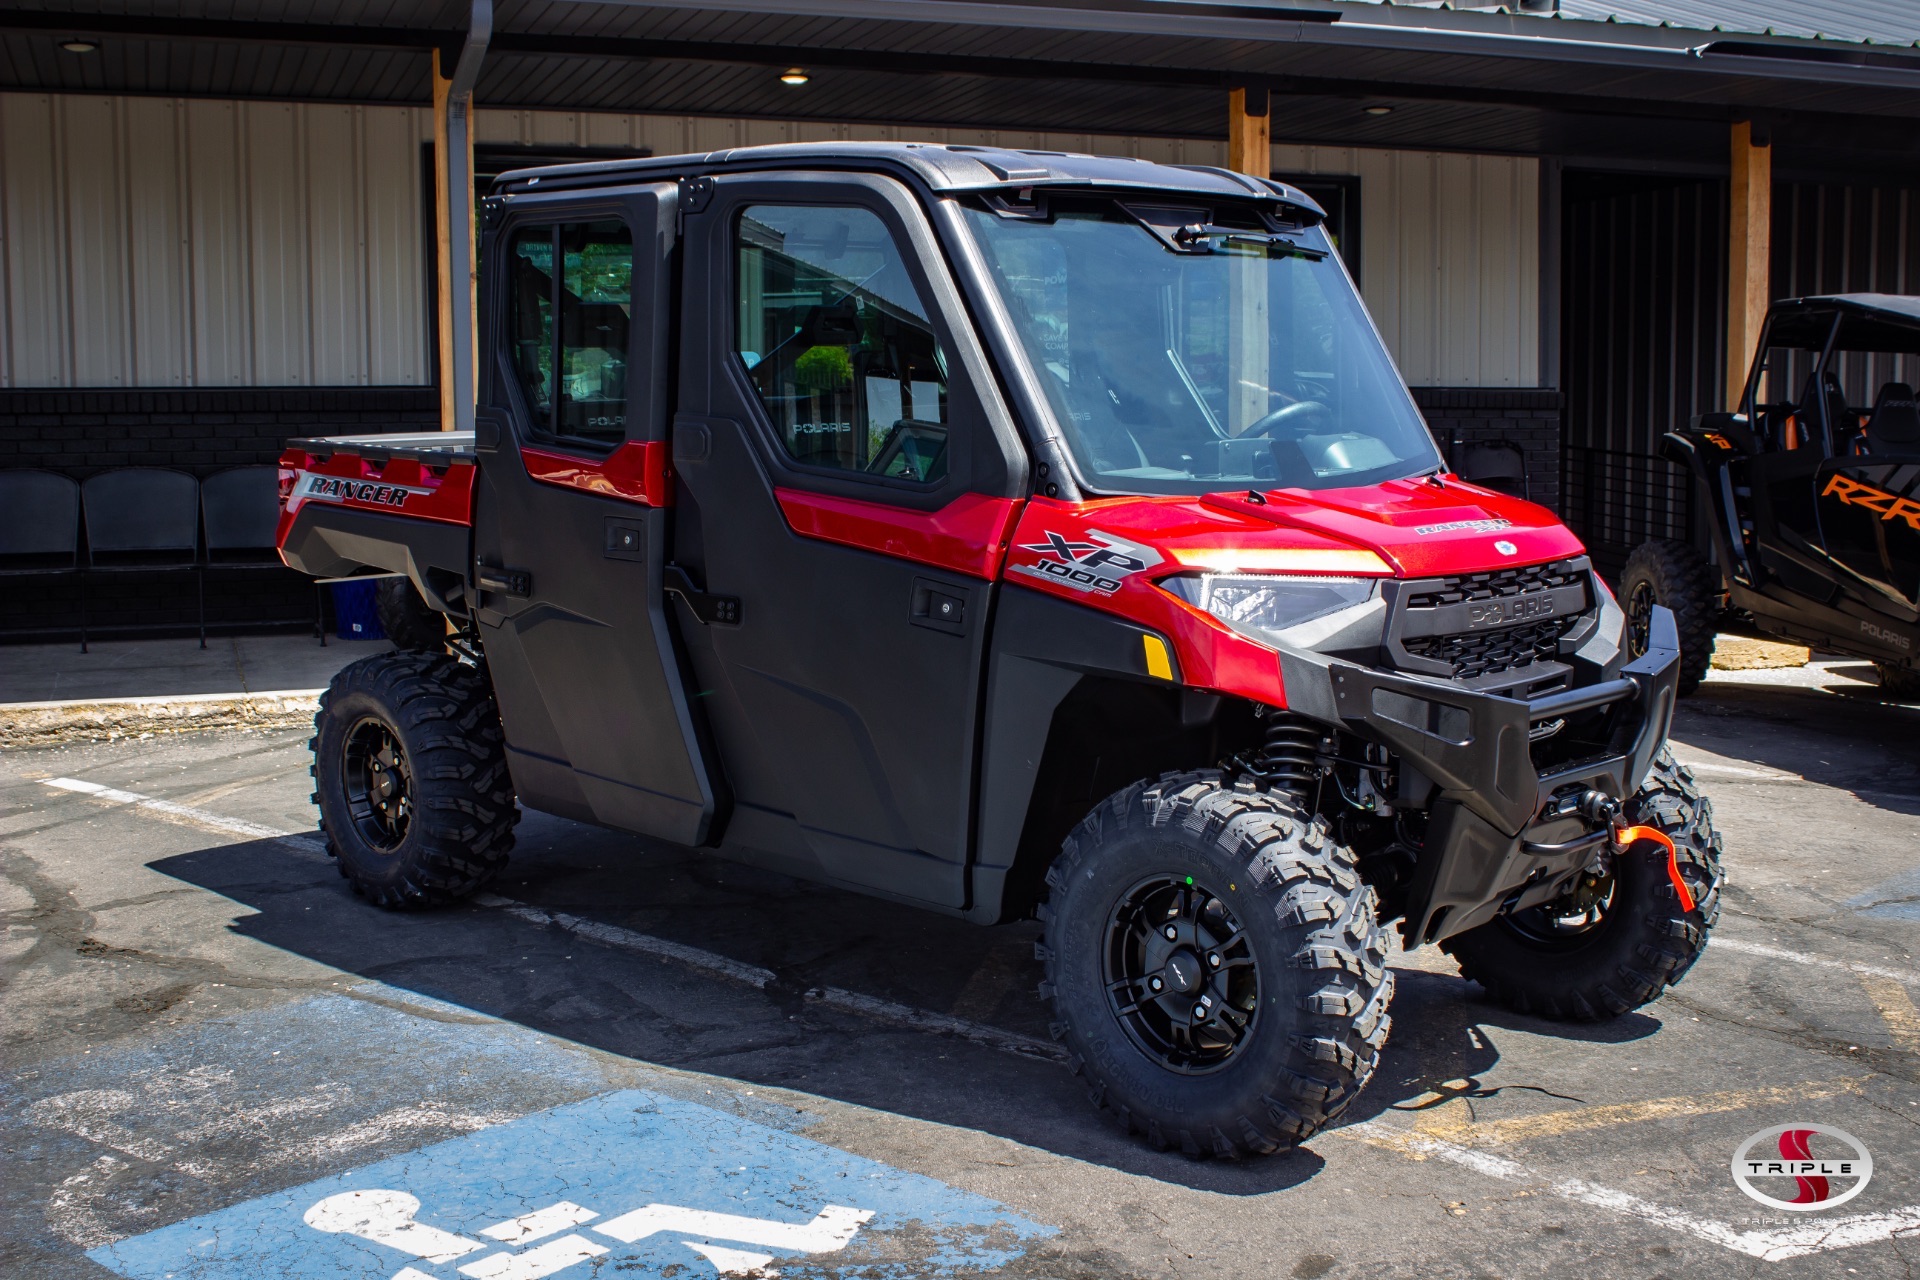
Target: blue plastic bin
x,y
354,614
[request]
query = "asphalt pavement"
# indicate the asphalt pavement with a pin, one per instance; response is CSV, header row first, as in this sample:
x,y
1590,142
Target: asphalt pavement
x,y
630,1059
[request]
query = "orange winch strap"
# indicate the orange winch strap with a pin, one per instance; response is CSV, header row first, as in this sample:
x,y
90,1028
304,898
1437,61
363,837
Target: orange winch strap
x,y
1631,835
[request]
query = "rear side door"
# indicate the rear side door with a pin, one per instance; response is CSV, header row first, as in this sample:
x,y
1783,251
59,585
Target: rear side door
x,y
571,508
848,475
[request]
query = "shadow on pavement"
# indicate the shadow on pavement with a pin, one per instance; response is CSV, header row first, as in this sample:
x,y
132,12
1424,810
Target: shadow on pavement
x,y
1853,741
809,935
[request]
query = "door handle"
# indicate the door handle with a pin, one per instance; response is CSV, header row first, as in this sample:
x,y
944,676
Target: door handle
x,y
506,582
710,609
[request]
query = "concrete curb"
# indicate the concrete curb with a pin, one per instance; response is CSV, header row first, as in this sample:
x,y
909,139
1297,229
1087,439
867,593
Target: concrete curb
x,y
24,724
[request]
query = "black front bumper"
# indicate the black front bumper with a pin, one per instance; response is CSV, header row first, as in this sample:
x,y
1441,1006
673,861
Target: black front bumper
x,y
1487,849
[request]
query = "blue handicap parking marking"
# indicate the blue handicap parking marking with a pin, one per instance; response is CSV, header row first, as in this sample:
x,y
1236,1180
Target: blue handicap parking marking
x,y
628,1183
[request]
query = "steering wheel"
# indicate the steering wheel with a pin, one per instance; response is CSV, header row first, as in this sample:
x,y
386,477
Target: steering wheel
x,y
1285,415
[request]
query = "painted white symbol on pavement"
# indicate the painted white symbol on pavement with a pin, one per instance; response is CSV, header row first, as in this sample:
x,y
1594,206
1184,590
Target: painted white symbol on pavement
x,y
386,1217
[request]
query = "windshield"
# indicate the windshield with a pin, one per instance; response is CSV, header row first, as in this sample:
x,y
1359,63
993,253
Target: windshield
x,y
1184,358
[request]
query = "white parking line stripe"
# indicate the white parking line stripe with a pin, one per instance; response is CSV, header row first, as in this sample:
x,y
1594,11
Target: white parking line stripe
x,y
615,936
1719,942
199,817
1768,1246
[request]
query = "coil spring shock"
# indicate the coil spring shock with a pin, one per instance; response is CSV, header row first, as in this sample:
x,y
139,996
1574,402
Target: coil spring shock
x,y
1285,756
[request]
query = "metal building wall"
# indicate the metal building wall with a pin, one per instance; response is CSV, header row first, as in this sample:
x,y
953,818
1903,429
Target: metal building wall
x,y
155,242
158,242
1450,259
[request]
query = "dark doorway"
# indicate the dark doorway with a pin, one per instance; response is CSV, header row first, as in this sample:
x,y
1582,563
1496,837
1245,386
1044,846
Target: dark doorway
x,y
1643,297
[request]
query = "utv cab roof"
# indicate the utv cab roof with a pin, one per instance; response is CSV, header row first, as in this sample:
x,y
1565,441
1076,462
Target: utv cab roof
x,y
1869,322
941,167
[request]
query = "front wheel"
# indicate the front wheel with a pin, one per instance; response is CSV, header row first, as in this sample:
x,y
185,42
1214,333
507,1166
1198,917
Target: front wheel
x,y
1613,943
1902,684
1216,965
1674,574
410,775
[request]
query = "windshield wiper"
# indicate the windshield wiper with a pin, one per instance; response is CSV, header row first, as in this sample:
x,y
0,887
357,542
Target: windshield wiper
x,y
1200,237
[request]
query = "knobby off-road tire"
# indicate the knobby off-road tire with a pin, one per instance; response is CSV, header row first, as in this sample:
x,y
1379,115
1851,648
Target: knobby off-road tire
x,y
410,622
1676,575
1643,942
410,775
1305,923
1899,683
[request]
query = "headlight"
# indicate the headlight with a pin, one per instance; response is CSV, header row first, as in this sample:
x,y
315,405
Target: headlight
x,y
1262,605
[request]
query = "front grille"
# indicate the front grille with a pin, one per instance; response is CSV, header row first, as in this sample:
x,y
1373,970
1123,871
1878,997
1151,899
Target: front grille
x,y
1446,620
1497,583
1485,653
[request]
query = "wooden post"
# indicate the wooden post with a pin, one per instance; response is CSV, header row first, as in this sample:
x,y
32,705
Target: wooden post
x,y
1249,139
1749,251
443,251
454,239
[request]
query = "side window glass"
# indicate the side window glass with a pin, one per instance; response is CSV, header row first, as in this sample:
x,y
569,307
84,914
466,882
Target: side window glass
x,y
837,343
530,322
573,374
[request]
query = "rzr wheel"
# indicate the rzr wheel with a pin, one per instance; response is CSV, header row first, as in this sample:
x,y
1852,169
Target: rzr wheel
x,y
1902,684
1215,965
409,621
1679,577
410,775
1617,943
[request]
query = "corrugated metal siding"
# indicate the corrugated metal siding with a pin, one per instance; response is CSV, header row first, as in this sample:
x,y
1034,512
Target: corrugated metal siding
x,y
162,242
191,242
1450,259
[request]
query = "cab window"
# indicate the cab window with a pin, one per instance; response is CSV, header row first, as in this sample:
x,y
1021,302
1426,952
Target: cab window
x,y
573,374
837,342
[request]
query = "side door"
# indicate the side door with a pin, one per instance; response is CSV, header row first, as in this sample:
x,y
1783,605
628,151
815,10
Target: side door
x,y
848,475
1869,507
571,508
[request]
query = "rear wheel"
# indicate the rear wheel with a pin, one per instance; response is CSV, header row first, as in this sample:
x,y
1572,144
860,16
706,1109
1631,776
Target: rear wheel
x,y
1674,574
1215,965
1617,942
1901,683
409,621
410,775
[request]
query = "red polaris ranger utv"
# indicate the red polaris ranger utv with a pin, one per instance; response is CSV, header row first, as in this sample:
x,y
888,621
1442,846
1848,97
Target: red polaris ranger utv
x,y
1005,534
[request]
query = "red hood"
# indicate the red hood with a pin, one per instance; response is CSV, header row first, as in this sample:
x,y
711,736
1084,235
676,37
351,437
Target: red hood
x,y
1107,554
1419,527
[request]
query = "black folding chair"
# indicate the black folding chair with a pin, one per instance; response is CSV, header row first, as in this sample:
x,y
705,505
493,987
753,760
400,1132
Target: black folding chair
x,y
142,520
39,524
240,518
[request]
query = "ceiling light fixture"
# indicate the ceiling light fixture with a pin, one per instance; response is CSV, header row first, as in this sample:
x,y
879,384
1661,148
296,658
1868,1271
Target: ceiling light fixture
x,y
794,76
78,46
1379,111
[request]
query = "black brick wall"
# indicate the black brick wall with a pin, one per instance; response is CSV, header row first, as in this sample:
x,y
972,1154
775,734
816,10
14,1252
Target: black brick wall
x,y
1528,417
203,430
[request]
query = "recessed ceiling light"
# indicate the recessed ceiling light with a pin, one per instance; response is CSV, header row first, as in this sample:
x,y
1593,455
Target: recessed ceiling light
x,y
795,76
1379,111
78,46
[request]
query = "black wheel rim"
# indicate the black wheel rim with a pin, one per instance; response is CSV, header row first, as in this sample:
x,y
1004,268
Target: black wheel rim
x,y
1640,602
1180,975
379,785
1568,923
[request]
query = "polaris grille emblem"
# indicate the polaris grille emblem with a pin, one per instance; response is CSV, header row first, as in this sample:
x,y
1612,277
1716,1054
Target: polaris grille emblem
x,y
1506,548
